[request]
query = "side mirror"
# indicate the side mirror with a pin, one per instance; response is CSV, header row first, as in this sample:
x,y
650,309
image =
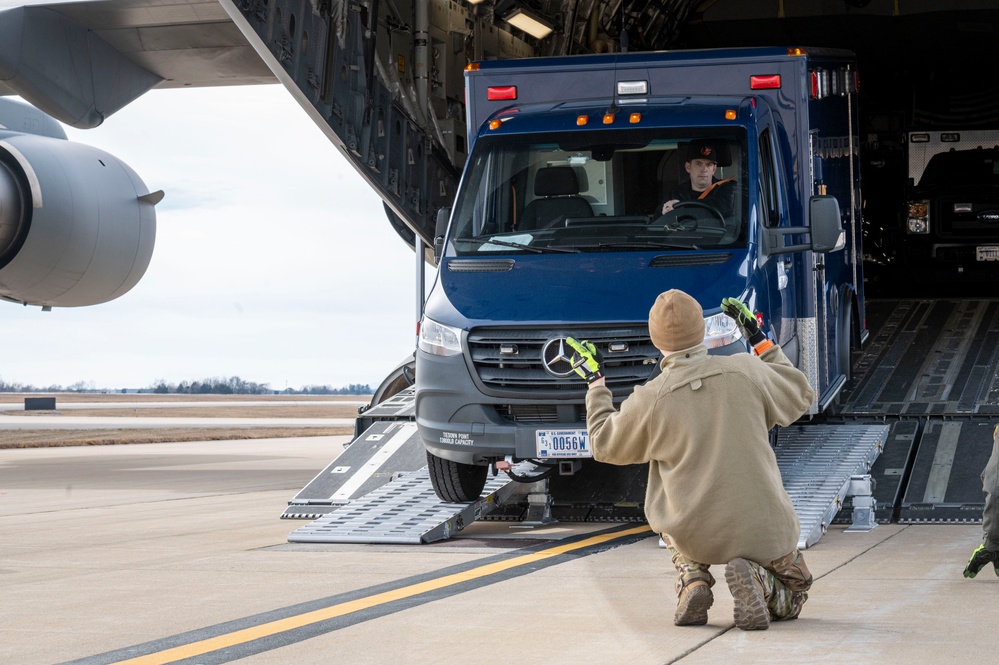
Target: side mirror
x,y
826,224
825,230
440,230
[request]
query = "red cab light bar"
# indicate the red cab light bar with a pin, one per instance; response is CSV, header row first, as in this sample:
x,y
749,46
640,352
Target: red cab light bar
x,y
499,93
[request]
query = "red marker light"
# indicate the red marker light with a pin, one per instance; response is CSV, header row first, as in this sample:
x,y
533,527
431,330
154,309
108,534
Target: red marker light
x,y
500,93
771,82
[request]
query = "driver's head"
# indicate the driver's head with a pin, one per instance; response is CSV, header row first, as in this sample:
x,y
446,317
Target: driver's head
x,y
701,164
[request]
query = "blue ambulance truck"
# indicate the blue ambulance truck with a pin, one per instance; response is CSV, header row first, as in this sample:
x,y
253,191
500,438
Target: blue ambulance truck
x,y
558,230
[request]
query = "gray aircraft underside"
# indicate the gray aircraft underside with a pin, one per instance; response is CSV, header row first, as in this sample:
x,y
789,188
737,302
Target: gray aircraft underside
x,y
382,78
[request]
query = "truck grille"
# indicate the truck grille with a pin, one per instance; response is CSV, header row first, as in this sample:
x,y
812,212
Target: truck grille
x,y
542,413
507,359
980,222
529,413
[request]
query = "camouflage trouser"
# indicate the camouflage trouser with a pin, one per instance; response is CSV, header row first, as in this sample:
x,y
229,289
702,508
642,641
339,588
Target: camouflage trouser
x,y
785,581
990,484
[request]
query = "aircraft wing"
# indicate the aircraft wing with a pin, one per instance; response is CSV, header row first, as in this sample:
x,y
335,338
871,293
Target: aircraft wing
x,y
183,43
81,61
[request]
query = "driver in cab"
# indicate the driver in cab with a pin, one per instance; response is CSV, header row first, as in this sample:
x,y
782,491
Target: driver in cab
x,y
701,164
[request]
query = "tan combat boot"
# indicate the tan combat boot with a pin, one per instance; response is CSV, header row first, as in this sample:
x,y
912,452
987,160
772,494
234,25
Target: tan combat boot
x,y
751,611
693,603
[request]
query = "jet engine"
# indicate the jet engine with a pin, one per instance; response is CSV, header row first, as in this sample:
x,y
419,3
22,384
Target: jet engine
x,y
77,225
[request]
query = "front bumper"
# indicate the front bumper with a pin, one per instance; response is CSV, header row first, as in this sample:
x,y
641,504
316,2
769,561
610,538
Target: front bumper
x,y
929,258
458,422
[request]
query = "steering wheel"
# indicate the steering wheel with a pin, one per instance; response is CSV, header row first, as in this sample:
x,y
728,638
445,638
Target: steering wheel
x,y
688,220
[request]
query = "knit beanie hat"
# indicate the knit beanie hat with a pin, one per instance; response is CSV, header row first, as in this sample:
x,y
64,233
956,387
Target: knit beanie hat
x,y
676,321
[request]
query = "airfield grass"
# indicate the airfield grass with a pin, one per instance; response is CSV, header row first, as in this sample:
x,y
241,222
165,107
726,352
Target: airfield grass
x,y
154,398
226,406
234,411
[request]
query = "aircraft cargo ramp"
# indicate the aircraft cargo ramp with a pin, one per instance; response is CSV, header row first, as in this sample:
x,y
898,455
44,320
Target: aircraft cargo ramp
x,y
930,370
906,444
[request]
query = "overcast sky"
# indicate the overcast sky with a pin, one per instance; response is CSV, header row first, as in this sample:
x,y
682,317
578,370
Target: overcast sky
x,y
274,261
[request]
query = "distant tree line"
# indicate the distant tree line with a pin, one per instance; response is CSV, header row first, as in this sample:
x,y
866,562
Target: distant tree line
x,y
78,387
352,389
213,386
237,386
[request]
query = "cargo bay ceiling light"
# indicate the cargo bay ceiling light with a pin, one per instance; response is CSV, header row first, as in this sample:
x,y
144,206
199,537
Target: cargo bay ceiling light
x,y
528,21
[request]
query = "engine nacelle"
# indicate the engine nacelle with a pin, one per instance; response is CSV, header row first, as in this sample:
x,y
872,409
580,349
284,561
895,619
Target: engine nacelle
x,y
77,225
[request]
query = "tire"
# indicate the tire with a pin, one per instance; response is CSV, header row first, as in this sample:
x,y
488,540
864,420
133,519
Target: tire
x,y
402,377
845,342
455,482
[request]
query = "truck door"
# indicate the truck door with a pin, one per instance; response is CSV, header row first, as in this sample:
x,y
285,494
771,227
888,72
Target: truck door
x,y
835,172
779,290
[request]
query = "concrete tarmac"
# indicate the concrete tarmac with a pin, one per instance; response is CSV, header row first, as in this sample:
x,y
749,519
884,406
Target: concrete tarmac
x,y
159,553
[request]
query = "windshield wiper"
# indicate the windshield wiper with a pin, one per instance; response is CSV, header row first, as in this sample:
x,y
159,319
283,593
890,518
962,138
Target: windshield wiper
x,y
517,245
637,245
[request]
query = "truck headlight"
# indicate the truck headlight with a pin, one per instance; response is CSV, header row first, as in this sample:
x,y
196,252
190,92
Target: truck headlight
x,y
439,339
919,217
720,330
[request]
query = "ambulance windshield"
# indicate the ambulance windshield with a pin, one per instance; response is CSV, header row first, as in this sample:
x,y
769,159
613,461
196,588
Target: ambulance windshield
x,y
600,191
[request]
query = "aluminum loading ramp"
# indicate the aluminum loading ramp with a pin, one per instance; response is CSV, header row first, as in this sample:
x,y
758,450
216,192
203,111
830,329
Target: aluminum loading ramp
x,y
404,512
820,466
383,451
385,444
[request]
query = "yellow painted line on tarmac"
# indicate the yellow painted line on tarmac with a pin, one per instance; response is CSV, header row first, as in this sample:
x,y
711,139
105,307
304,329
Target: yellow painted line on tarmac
x,y
245,635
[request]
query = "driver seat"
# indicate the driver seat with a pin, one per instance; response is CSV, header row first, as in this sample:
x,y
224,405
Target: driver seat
x,y
556,191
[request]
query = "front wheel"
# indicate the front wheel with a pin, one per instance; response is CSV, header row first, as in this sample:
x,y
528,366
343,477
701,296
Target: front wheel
x,y
455,482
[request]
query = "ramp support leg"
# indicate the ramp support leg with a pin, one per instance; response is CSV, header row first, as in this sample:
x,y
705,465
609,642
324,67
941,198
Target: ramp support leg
x,y
863,504
539,505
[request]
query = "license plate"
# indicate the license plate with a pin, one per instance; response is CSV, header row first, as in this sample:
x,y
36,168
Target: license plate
x,y
988,253
563,443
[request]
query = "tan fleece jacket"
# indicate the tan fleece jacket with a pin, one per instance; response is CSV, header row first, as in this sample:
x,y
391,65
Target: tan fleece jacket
x,y
702,425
